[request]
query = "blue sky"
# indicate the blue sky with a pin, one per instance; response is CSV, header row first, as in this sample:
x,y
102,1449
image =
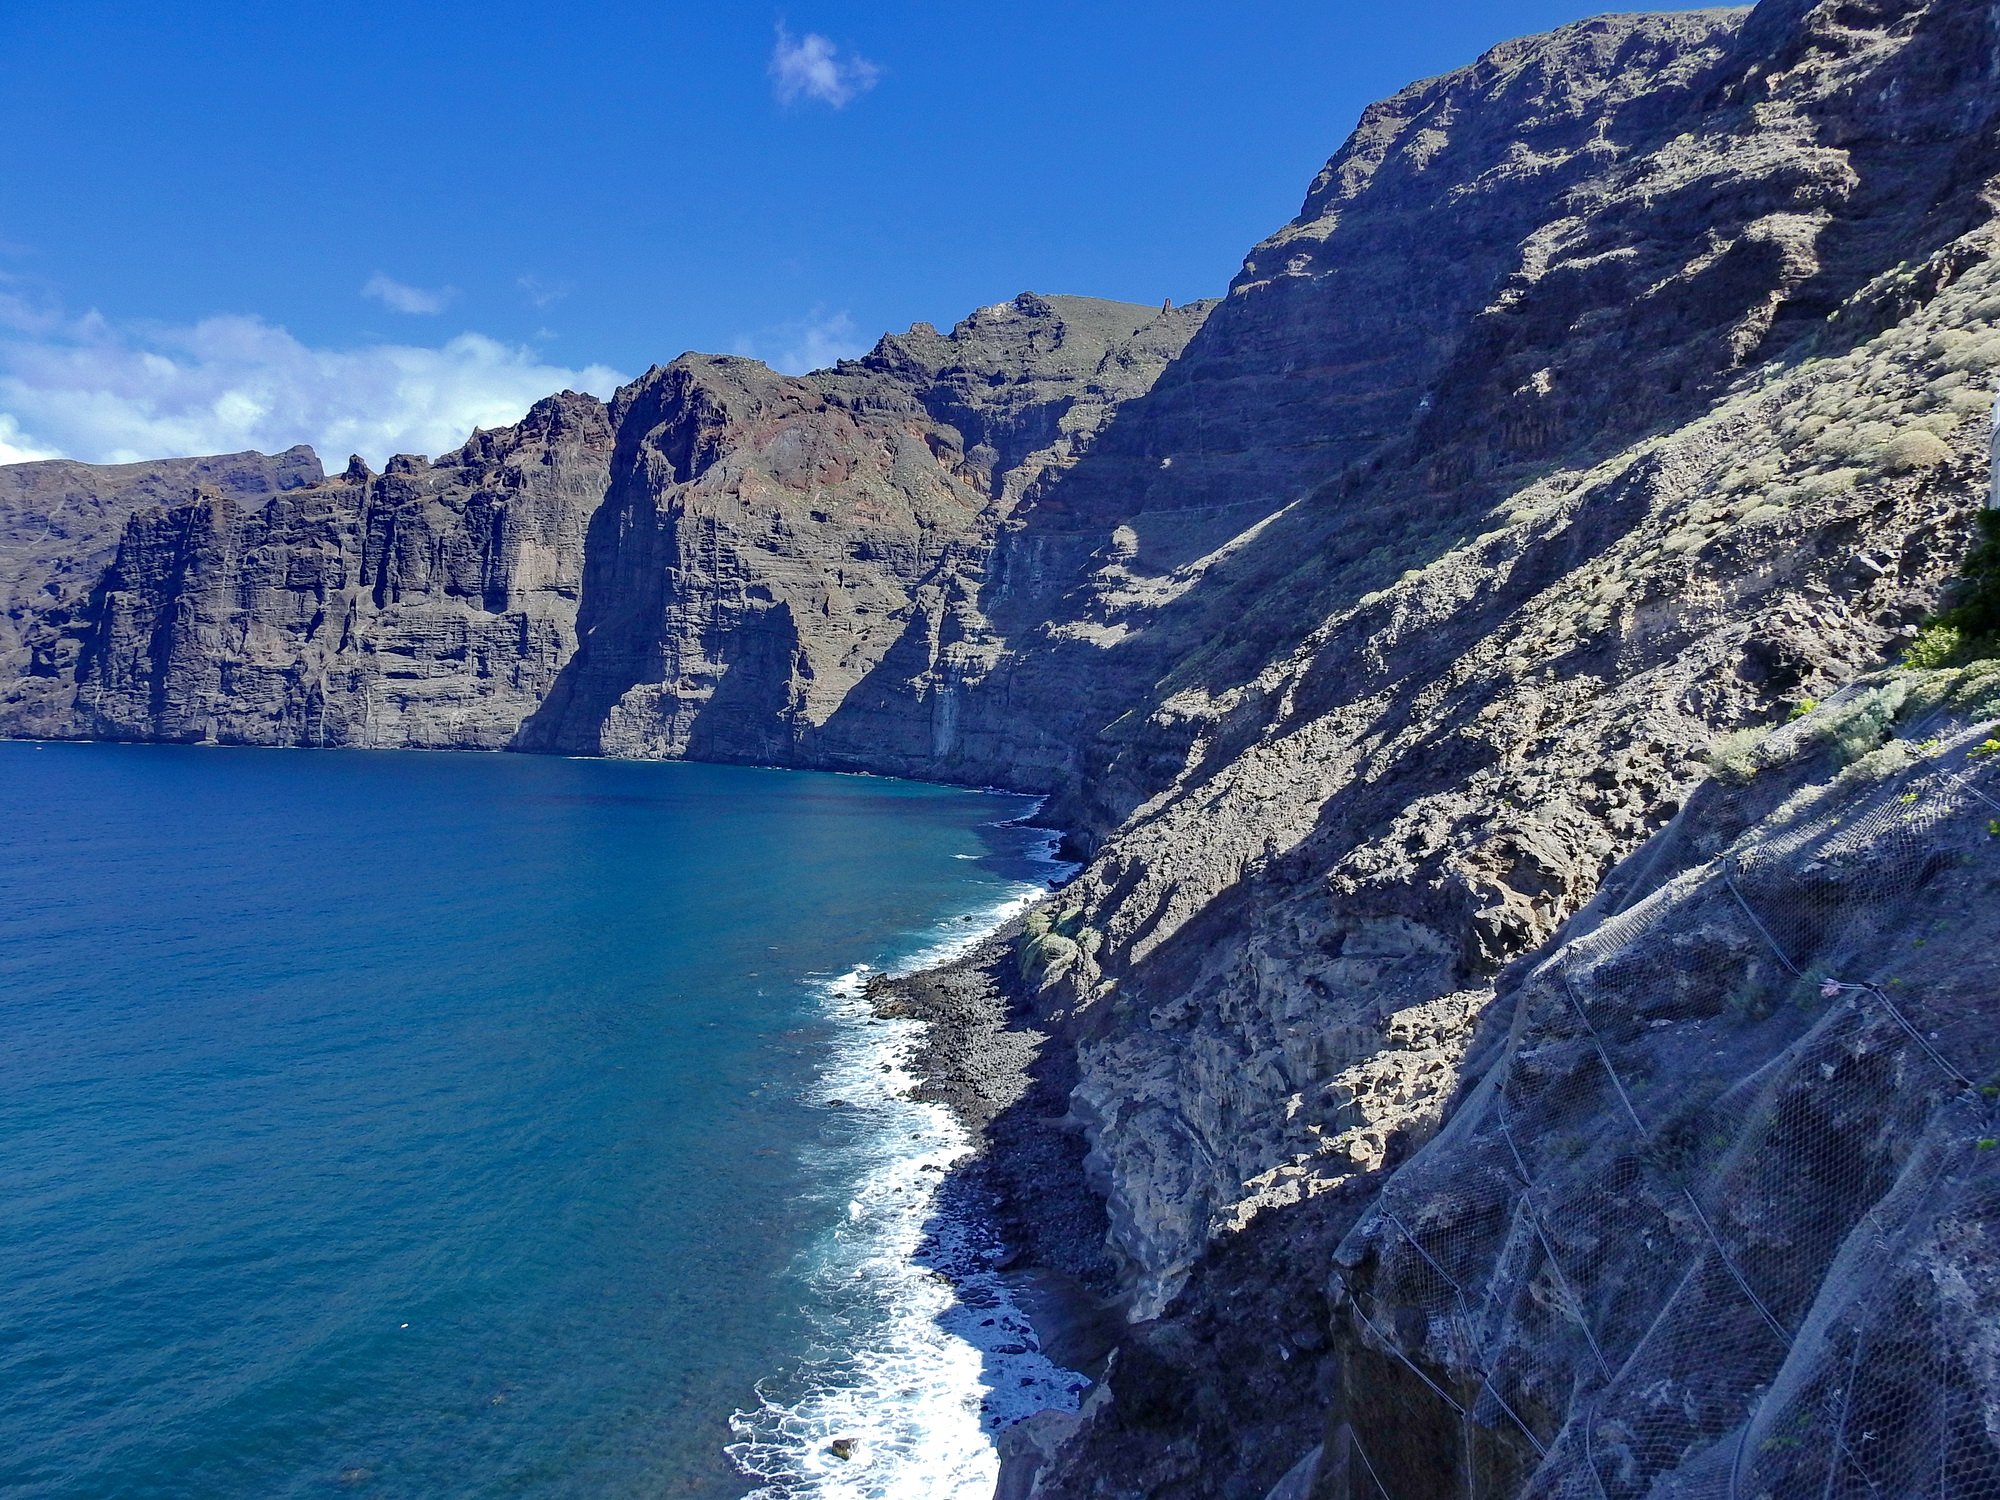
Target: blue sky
x,y
372,225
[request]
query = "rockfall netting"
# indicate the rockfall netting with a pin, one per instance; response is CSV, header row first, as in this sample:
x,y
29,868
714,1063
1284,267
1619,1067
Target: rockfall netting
x,y
1723,1216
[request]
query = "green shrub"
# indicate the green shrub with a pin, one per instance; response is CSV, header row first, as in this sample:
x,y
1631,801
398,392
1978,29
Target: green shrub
x,y
1978,609
1734,757
1914,450
1937,645
1827,482
1975,618
1049,944
1863,722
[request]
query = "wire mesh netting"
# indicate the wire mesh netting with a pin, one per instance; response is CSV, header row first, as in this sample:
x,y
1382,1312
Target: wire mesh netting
x,y
1723,1218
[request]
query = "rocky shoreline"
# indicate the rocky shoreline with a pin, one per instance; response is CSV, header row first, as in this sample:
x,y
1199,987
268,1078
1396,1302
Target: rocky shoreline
x,y
1240,1362
1001,1071
997,1067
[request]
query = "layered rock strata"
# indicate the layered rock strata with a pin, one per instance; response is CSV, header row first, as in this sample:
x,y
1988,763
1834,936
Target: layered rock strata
x,y
1461,679
60,523
721,562
797,570
1720,1209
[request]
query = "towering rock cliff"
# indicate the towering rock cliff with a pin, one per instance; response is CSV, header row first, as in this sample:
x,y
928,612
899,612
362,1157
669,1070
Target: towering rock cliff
x,y
430,605
723,562
1704,444
797,570
1623,390
59,528
1709,450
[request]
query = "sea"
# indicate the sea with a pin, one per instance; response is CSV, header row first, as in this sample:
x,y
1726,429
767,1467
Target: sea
x,y
415,1124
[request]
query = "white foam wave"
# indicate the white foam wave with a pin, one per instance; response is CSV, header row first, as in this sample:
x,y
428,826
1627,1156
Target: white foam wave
x,y
922,1353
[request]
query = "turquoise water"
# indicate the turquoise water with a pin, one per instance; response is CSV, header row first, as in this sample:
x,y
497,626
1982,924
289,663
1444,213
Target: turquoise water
x,y
435,1125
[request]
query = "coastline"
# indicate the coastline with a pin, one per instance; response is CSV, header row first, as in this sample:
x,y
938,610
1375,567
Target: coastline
x,y
1246,1340
983,1055
951,1304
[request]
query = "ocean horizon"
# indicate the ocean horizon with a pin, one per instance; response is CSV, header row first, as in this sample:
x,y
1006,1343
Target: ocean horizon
x,y
425,1123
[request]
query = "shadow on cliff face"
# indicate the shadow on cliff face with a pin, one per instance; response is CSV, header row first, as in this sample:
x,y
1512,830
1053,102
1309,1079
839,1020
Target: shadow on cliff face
x,y
1492,431
1904,189
1521,397
1404,425
1220,1396
1203,535
629,549
672,426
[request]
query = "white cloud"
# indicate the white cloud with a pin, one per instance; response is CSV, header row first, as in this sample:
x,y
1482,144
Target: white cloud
x,y
810,343
14,448
403,298
85,389
543,293
811,67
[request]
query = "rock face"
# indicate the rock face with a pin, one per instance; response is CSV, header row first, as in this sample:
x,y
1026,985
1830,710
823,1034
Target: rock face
x,y
1714,1209
795,570
59,529
724,562
1722,1190
1465,676
1625,389
430,605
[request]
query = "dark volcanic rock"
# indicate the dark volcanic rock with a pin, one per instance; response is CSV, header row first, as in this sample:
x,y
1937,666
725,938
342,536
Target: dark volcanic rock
x,y
430,605
59,528
1399,731
794,569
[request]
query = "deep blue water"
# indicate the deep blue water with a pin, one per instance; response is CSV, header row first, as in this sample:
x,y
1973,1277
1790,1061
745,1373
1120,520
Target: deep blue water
x,y
431,1125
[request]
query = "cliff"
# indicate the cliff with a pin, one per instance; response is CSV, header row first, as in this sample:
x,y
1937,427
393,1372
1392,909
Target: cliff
x,y
722,562
60,523
1371,629
1713,1208
1461,681
799,570
1709,451
1717,1210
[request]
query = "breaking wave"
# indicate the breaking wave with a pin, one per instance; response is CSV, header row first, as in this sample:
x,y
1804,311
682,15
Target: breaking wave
x,y
920,1352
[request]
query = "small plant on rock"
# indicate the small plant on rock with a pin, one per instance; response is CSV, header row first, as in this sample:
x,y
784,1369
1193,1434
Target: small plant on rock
x,y
1913,451
1937,645
1970,629
1863,722
1734,757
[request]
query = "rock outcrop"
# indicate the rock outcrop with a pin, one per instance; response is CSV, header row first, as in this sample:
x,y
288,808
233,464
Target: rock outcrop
x,y
1616,395
797,570
1518,627
723,562
59,528
1717,1212
1714,1207
429,606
